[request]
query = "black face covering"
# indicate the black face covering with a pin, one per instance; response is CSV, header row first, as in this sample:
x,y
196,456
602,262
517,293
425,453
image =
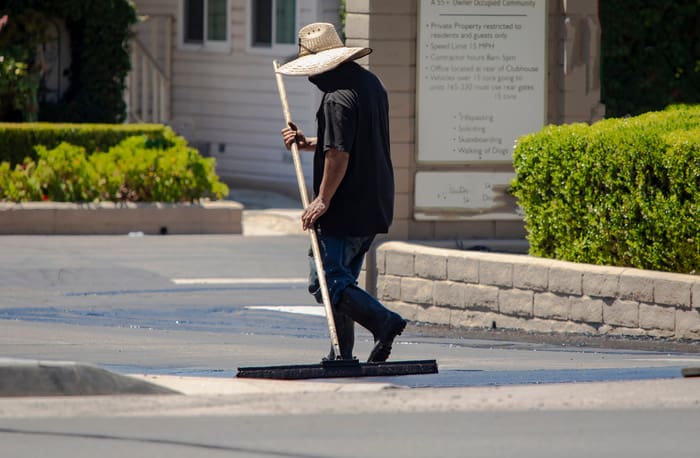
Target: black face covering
x,y
338,78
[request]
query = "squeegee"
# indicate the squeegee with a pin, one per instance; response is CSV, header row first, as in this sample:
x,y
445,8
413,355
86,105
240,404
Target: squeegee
x,y
328,368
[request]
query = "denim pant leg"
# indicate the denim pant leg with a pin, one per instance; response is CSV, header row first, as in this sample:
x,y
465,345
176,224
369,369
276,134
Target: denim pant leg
x,y
342,259
362,306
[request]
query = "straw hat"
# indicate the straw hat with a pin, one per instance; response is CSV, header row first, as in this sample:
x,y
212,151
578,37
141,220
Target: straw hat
x,y
320,50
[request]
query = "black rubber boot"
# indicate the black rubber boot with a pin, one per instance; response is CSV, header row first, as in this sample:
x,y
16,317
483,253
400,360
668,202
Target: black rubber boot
x,y
382,346
384,324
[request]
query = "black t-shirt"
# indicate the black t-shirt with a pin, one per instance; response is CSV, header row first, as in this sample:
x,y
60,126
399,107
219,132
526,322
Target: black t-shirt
x,y
354,117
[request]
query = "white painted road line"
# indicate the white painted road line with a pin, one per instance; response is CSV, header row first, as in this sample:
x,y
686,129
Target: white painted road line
x,y
668,359
315,310
238,281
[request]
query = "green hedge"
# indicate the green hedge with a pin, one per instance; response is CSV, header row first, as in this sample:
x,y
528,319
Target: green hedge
x,y
17,140
622,192
137,169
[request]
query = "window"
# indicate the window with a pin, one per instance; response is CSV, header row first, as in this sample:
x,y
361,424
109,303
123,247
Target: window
x,y
273,23
205,23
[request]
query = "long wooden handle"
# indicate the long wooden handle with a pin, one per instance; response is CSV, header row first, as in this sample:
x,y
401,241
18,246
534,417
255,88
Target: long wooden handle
x,y
312,232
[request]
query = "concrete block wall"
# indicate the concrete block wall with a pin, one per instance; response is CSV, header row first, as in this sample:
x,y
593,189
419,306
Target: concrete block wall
x,y
520,292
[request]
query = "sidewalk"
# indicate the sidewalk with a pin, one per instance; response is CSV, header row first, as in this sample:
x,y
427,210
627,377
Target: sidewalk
x,y
197,397
267,212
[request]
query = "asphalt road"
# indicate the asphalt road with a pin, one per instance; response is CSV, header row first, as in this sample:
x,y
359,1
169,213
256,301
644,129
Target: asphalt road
x,y
193,305
555,434
204,305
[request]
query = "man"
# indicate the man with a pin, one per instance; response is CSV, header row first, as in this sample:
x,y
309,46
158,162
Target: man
x,y
353,181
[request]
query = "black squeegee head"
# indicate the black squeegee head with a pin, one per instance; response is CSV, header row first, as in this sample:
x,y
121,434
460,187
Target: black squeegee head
x,y
340,368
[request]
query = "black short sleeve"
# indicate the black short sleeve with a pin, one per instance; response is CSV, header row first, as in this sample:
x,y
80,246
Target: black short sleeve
x,y
341,126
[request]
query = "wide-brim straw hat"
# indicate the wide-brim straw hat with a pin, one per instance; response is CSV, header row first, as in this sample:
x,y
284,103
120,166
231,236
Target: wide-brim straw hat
x,y
320,50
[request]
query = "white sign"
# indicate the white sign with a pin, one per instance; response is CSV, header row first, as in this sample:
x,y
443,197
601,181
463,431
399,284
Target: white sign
x,y
481,78
464,195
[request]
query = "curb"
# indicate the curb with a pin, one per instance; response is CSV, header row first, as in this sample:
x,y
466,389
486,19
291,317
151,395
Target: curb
x,y
108,218
42,378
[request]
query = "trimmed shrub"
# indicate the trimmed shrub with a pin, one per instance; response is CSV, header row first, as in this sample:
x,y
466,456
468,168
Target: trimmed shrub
x,y
64,174
18,140
153,172
137,169
622,192
20,184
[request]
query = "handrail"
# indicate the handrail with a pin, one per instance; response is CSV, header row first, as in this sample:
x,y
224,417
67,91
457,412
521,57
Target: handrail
x,y
152,60
148,95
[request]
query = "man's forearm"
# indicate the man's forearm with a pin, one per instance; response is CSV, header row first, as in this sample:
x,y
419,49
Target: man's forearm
x,y
335,166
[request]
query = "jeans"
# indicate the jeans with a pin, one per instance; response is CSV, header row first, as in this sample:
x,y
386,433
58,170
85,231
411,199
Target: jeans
x,y
342,258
